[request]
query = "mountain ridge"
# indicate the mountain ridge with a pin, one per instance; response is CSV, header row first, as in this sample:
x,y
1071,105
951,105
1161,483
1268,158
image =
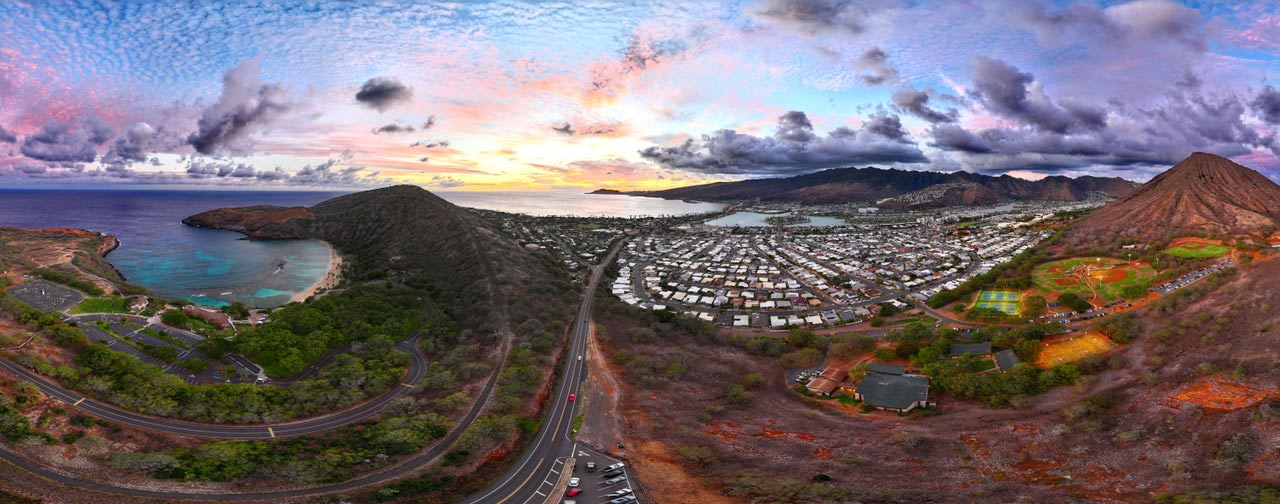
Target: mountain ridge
x,y
870,185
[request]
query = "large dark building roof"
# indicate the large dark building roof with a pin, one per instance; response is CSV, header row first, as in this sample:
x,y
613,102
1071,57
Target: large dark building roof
x,y
1006,359
958,349
878,367
893,391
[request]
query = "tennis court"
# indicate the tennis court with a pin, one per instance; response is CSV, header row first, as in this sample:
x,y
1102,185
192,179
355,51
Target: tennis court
x,y
1007,302
1073,348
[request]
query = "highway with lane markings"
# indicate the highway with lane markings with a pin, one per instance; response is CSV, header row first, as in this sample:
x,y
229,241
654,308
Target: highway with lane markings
x,y
534,475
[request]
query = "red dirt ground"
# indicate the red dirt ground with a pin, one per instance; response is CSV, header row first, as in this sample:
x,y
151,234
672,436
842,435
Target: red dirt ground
x,y
1066,282
1116,275
1219,394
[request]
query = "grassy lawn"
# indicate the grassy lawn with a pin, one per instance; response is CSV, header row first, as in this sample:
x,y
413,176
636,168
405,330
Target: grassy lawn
x,y
1198,250
981,365
908,320
1108,276
113,304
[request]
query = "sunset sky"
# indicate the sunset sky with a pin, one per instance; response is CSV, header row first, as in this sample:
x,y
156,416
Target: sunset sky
x,y
634,95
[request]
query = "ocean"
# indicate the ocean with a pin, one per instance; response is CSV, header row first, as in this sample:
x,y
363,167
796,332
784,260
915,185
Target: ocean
x,y
544,203
208,267
215,268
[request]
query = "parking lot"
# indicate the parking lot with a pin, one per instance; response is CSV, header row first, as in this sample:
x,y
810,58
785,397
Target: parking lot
x,y
118,331
45,295
1193,276
595,487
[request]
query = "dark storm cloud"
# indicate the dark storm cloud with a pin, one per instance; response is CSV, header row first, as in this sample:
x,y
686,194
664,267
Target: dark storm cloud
x,y
916,103
328,173
7,136
1118,26
134,146
246,106
430,144
876,63
794,126
1137,136
60,142
813,16
1012,94
954,138
584,130
886,125
794,148
1267,104
394,128
382,93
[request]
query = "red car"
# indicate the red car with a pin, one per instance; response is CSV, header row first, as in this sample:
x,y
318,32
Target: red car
x,y
572,396
572,492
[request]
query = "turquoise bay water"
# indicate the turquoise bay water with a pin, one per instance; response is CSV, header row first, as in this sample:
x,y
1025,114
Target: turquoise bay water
x,y
215,268
175,261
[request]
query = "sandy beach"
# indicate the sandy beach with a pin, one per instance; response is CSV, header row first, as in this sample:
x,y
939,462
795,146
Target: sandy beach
x,y
330,279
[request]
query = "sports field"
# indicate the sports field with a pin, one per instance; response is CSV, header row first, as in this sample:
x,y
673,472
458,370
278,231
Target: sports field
x,y
1005,301
1198,249
1103,276
1073,349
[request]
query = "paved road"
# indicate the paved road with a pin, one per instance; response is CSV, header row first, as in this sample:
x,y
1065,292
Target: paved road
x,y
534,475
407,468
416,370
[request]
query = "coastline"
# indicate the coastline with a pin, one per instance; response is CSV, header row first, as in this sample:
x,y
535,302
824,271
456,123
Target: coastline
x,y
330,279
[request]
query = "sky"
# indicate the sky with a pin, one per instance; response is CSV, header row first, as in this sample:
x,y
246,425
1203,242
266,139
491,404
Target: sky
x,y
627,95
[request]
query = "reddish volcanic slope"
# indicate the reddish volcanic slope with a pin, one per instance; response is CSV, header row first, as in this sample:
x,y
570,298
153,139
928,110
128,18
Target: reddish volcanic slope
x,y
1204,193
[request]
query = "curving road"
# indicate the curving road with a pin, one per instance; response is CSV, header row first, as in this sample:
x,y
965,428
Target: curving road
x,y
521,484
416,370
535,473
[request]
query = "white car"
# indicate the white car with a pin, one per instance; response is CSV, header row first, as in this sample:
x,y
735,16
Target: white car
x,y
619,493
619,465
573,482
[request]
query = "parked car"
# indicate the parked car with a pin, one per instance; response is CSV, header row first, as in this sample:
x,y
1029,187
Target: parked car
x,y
572,492
619,493
591,467
615,472
573,482
615,481
619,465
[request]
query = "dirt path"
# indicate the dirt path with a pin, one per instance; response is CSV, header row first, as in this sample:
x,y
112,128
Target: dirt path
x,y
601,426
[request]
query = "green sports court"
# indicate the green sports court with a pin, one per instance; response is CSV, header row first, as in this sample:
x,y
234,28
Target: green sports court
x,y
1005,301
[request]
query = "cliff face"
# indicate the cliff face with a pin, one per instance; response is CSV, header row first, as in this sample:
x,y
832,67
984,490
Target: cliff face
x,y
261,222
869,185
74,251
1204,193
